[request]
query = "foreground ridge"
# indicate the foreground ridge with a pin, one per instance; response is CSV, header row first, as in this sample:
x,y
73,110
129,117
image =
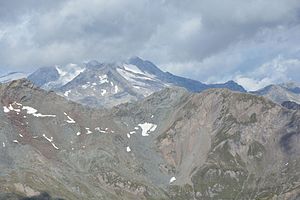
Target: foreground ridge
x,y
173,144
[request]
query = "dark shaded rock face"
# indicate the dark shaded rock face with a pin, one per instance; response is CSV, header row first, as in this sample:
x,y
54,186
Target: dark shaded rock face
x,y
174,144
291,105
42,196
44,75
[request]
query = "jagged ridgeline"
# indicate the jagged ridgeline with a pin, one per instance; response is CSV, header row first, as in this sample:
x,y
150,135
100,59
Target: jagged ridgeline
x,y
108,84
174,144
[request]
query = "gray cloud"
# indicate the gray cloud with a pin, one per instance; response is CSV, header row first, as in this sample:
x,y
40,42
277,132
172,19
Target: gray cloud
x,y
206,40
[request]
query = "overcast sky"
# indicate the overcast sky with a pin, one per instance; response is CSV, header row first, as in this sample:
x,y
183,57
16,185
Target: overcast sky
x,y
254,42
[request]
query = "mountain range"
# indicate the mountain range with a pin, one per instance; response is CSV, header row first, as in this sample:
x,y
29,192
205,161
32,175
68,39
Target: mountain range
x,y
108,84
129,130
173,144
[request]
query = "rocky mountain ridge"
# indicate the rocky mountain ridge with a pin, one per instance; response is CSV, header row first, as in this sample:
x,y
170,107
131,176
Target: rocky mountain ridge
x,y
174,144
108,84
280,93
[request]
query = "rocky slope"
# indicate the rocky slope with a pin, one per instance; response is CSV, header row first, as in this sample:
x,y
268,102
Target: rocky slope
x,y
174,144
108,84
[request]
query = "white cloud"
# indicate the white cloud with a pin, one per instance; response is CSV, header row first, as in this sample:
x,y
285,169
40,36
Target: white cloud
x,y
208,40
189,28
279,70
251,84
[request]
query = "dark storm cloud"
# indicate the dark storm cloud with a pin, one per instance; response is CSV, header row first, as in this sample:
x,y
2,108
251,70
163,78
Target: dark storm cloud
x,y
191,38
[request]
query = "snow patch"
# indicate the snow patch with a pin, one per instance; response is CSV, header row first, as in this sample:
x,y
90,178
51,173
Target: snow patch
x,y
3,144
41,115
85,86
15,103
128,75
128,149
54,146
128,135
29,110
99,129
49,139
33,111
5,109
67,93
103,92
172,179
88,131
116,89
137,87
70,120
147,128
10,107
103,79
132,68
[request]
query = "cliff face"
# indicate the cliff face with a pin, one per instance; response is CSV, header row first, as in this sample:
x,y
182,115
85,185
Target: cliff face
x,y
172,145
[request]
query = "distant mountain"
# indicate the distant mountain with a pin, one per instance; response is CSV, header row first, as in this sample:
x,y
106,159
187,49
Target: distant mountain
x,y
12,76
292,87
172,145
231,85
280,93
108,84
55,77
44,75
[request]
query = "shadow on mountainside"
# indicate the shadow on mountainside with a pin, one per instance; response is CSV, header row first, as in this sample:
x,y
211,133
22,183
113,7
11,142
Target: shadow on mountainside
x,y
42,196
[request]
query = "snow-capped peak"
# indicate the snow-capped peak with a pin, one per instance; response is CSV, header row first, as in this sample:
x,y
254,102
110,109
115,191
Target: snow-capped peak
x,y
109,84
